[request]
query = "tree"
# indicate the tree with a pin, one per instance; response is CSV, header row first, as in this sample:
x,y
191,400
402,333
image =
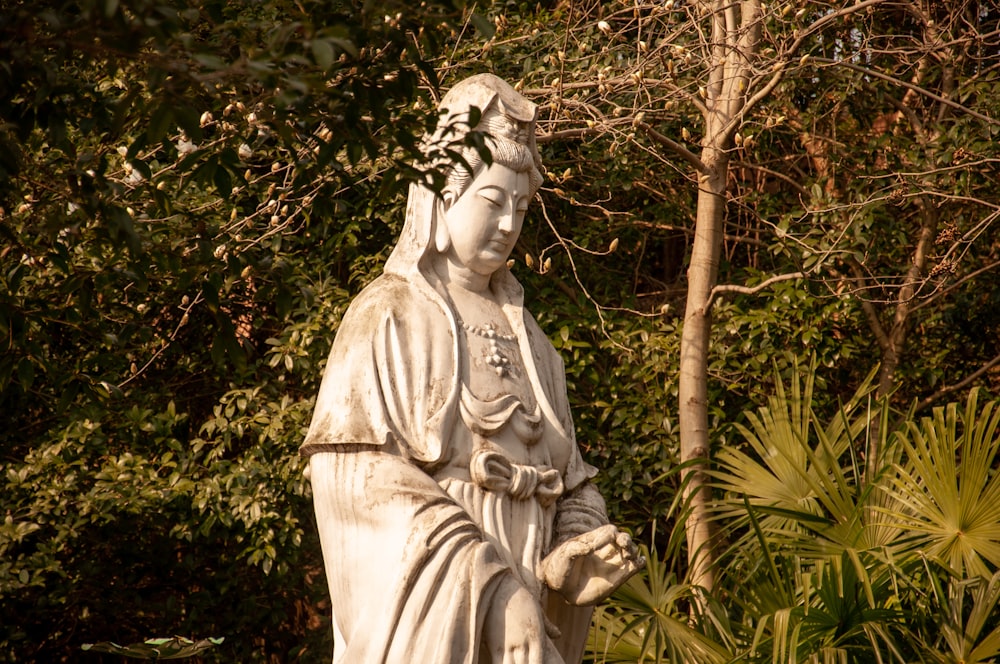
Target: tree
x,y
906,238
727,90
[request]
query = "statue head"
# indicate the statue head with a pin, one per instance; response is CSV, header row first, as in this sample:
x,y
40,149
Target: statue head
x,y
508,121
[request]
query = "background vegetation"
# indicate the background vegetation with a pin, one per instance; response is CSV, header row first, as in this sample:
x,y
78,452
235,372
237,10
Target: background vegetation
x,y
192,193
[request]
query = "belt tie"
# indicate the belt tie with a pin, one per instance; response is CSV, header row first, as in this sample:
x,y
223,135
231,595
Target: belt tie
x,y
495,472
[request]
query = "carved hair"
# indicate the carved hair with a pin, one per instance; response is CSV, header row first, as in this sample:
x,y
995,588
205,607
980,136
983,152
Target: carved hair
x,y
508,121
508,144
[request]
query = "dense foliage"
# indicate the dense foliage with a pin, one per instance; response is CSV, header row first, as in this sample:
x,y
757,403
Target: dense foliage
x,y
192,193
183,222
825,564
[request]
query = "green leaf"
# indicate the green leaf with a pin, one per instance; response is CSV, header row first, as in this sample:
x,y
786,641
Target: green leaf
x,y
475,115
160,123
223,182
354,149
189,120
122,225
323,53
483,25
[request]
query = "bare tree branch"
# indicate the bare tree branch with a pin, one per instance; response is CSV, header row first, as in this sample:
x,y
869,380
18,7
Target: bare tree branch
x,y
667,142
803,193
690,231
954,387
723,289
781,66
565,133
901,320
909,86
952,287
868,308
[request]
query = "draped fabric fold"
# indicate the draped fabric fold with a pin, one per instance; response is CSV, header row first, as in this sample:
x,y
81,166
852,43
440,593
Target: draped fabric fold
x,y
435,571
382,426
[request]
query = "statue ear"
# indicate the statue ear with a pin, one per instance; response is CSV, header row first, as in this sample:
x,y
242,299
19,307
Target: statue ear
x,y
442,240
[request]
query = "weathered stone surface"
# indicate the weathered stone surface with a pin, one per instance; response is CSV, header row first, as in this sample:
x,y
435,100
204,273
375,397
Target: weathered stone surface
x,y
456,515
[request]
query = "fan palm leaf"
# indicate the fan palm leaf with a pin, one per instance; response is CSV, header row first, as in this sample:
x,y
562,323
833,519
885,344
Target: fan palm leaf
x,y
647,620
791,472
946,492
964,615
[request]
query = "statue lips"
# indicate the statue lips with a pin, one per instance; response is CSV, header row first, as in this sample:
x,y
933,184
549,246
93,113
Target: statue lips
x,y
500,245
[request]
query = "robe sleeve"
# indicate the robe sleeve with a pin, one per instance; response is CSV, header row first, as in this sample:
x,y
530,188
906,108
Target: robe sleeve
x,y
390,377
410,575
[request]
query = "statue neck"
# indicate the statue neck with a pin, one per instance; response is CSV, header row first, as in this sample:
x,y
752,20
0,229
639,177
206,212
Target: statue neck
x,y
454,275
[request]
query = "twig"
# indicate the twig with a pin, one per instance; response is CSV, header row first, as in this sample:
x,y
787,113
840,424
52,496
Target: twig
x,y
749,290
686,154
952,287
690,231
948,389
566,133
909,86
868,307
780,68
781,176
166,343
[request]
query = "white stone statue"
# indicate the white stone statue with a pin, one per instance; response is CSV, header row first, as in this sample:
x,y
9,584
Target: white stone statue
x,y
456,515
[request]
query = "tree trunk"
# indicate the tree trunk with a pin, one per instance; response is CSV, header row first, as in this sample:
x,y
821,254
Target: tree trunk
x,y
893,340
896,335
693,386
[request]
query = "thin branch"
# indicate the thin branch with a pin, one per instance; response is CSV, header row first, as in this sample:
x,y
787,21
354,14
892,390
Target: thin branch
x,y
166,342
581,85
781,176
617,81
686,154
690,231
749,290
522,249
948,389
868,307
909,86
565,133
911,115
951,287
781,67
576,275
832,17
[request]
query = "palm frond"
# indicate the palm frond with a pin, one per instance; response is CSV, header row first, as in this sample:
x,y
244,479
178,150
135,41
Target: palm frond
x,y
647,620
945,491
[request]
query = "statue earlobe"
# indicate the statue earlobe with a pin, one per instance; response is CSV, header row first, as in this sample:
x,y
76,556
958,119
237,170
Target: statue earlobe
x,y
442,240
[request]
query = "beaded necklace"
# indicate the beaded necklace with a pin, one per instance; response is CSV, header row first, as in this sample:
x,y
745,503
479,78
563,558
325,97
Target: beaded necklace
x,y
496,357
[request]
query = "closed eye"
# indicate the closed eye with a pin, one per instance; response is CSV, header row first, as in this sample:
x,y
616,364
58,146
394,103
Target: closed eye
x,y
492,197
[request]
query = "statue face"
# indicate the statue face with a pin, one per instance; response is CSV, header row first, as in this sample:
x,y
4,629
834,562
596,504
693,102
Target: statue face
x,y
484,223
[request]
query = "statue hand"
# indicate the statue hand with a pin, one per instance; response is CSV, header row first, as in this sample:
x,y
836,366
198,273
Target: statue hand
x,y
589,567
514,630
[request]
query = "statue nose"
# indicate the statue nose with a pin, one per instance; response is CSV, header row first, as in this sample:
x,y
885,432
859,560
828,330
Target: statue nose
x,y
506,221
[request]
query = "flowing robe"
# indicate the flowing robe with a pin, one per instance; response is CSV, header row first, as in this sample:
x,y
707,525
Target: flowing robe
x,y
411,573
